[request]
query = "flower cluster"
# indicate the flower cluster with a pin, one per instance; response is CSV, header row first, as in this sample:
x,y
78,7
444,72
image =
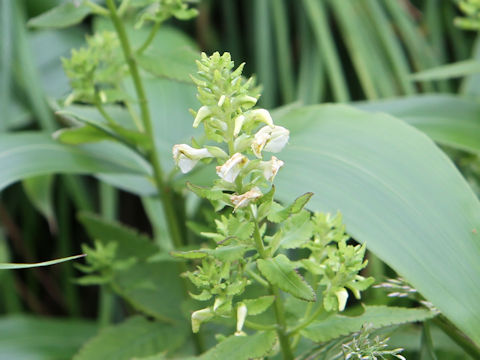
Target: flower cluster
x,y
471,20
158,11
229,119
95,71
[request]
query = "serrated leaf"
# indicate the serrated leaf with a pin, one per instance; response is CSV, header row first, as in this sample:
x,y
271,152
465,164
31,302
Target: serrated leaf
x,y
379,316
281,272
298,229
11,266
61,16
152,288
205,192
130,243
136,337
242,347
258,306
297,205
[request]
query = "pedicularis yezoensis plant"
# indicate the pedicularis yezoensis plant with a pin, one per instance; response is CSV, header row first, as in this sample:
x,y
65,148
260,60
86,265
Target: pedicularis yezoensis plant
x,y
255,233
268,267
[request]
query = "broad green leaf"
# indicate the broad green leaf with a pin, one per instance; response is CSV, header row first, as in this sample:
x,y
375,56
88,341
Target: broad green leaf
x,y
153,288
81,135
293,208
64,15
259,305
35,338
39,192
398,193
448,119
242,347
129,241
448,71
281,272
30,154
379,316
11,266
296,231
136,337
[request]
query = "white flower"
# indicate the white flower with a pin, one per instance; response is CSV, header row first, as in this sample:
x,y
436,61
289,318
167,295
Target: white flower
x,y
270,139
342,296
270,168
239,120
241,201
251,116
202,113
232,167
200,316
241,316
187,157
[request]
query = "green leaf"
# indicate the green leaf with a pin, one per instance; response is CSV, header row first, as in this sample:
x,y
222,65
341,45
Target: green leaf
x,y
242,347
379,316
296,231
39,191
153,288
130,243
293,208
31,154
281,272
448,71
64,15
398,193
136,337
448,119
81,135
10,266
259,305
35,338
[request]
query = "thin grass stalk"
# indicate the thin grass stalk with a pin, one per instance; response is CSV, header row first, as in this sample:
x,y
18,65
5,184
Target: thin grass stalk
x,y
325,42
232,33
284,51
461,47
5,60
65,249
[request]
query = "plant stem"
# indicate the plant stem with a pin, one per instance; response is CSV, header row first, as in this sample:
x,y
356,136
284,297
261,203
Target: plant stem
x,y
279,308
456,335
106,306
307,322
162,187
149,39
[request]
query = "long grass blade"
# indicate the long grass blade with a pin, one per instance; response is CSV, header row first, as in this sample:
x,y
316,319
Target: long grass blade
x,y
391,44
318,21
263,52
6,54
284,51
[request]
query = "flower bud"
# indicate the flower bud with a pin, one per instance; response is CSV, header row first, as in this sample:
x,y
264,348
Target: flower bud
x,y
270,168
200,316
270,139
342,296
202,113
261,115
241,316
232,167
239,120
187,157
241,201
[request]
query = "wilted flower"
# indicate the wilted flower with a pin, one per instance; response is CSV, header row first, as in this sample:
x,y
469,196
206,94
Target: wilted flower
x,y
270,168
243,200
200,316
232,167
187,157
271,139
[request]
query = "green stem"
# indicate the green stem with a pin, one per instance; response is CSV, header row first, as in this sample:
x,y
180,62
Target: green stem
x,y
279,308
149,39
456,335
106,306
162,187
102,111
307,322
